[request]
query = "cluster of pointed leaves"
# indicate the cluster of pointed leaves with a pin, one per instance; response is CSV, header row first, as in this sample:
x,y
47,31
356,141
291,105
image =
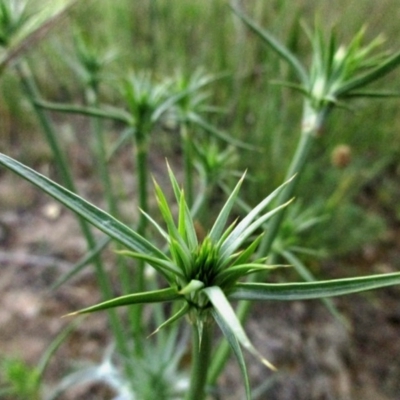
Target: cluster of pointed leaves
x,y
203,276
337,71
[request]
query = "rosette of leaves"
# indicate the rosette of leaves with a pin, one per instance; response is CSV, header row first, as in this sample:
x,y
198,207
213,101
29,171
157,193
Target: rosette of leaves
x,y
337,71
204,276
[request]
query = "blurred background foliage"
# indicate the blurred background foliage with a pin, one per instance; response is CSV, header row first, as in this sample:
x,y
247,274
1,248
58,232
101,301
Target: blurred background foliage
x,y
352,180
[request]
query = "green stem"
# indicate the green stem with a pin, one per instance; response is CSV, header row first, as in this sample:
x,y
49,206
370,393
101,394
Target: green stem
x,y
312,123
141,155
92,98
201,354
32,93
188,164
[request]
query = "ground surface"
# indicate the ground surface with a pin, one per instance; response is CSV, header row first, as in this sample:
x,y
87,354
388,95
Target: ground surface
x,y
318,358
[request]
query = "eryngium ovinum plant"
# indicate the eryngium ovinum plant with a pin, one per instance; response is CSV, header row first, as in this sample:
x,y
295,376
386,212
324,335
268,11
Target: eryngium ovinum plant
x,y
202,276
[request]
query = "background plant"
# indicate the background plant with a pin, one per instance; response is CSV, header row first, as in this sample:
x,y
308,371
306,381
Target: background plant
x,y
227,91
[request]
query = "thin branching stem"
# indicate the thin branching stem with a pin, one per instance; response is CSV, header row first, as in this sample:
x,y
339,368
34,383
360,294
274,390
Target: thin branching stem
x,y
188,162
312,123
201,355
141,164
32,93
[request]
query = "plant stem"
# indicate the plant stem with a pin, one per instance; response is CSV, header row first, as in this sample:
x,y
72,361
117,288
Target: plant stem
x,y
188,163
312,123
92,98
141,155
201,354
32,94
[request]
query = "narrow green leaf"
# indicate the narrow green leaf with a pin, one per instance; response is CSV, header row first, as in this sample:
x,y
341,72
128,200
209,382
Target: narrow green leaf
x,y
110,113
245,222
304,272
280,49
220,222
245,255
237,351
181,256
243,231
97,217
178,315
156,296
193,286
378,72
312,290
185,221
167,214
124,136
86,260
164,267
223,308
153,222
230,276
374,93
202,123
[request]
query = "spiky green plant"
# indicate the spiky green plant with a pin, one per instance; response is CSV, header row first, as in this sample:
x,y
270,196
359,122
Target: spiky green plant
x,y
202,275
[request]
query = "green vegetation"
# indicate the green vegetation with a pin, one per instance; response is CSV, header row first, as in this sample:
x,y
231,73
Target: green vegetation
x,y
217,90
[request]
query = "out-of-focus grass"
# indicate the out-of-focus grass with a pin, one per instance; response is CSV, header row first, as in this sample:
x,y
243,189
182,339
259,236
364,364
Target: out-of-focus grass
x,y
163,36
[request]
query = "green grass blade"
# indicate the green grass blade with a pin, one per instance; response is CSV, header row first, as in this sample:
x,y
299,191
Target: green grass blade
x,y
225,311
312,290
237,351
155,296
378,72
164,267
212,130
245,255
111,113
280,49
97,217
304,272
86,260
186,227
220,222
153,222
230,244
238,240
178,315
